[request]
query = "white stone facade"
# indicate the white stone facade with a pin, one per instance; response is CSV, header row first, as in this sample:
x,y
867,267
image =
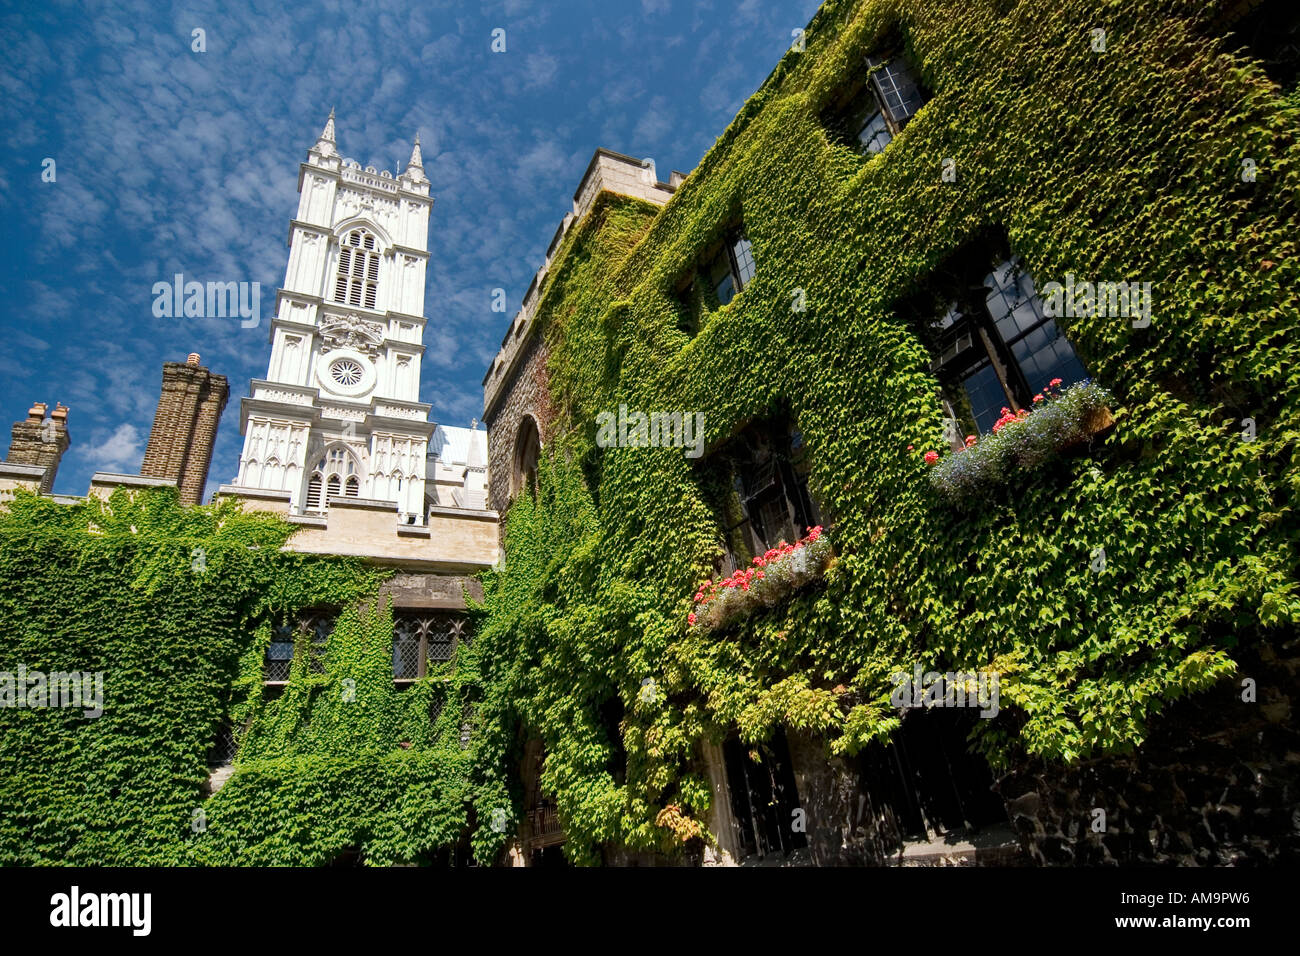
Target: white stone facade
x,y
339,412
456,475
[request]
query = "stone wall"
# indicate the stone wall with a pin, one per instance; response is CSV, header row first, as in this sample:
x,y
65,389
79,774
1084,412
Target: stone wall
x,y
527,393
434,591
1216,783
455,540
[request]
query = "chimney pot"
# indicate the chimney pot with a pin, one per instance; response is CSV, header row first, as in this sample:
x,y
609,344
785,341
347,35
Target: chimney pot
x,y
60,412
193,359
37,412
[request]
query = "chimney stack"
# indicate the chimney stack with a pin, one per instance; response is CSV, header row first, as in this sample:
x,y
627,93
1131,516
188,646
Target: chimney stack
x,y
185,427
40,441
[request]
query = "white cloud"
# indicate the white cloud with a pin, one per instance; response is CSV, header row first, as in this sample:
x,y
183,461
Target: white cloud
x,y
120,452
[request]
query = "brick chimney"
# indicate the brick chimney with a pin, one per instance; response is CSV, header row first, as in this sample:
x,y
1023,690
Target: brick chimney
x,y
40,441
185,427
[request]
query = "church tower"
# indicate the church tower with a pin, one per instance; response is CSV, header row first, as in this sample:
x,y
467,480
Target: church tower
x,y
339,412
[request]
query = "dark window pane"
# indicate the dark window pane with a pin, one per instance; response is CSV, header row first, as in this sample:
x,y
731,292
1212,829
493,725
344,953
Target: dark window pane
x,y
441,639
406,650
725,289
1013,303
1046,354
986,396
898,88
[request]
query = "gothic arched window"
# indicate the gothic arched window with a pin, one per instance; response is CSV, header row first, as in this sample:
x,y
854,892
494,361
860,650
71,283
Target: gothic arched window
x,y
528,444
337,473
357,278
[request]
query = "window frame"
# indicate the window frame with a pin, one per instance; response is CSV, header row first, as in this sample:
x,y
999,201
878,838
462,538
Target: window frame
x,y
767,465
314,626
356,271
697,293
969,339
868,101
424,621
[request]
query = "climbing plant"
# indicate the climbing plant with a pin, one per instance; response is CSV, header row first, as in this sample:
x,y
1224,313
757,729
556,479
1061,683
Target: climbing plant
x,y
174,606
1101,586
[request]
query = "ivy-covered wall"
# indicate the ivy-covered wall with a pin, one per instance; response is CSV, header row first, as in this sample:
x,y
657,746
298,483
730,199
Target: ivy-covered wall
x,y
1117,165
1122,164
174,606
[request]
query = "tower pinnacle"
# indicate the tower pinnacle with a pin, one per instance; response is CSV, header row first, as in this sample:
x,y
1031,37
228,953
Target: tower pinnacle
x,y
325,144
415,165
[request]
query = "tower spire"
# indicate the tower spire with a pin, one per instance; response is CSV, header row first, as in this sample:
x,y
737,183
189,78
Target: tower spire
x,y
415,165
325,144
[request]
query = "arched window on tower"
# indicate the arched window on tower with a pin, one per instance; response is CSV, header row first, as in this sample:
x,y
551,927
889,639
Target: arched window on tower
x,y
357,279
336,473
528,445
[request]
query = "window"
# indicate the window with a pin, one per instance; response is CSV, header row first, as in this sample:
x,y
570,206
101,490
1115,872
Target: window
x,y
347,372
313,493
730,268
992,344
279,655
357,278
762,478
876,105
225,745
421,638
336,473
319,625
316,626
527,448
723,273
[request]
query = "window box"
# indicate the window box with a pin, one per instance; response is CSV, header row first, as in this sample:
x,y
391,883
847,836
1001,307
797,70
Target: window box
x,y
769,581
1061,422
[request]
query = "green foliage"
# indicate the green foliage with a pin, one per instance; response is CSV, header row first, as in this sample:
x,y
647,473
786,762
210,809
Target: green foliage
x,y
1120,166
175,606
1123,165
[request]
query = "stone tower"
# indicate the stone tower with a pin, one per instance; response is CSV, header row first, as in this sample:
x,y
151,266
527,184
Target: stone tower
x,y
40,441
185,427
339,411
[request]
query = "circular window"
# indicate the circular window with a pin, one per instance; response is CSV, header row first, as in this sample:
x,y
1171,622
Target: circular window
x,y
347,372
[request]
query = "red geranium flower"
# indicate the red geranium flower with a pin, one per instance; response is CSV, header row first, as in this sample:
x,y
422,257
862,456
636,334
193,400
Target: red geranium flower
x,y
931,457
690,618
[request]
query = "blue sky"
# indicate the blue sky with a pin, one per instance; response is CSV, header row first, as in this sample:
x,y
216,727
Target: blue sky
x,y
168,161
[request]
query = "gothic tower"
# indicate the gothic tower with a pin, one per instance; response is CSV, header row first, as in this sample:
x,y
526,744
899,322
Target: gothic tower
x,y
339,411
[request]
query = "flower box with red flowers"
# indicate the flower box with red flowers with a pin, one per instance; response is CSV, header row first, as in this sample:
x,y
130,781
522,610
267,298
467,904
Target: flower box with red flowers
x,y
771,579
1060,421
